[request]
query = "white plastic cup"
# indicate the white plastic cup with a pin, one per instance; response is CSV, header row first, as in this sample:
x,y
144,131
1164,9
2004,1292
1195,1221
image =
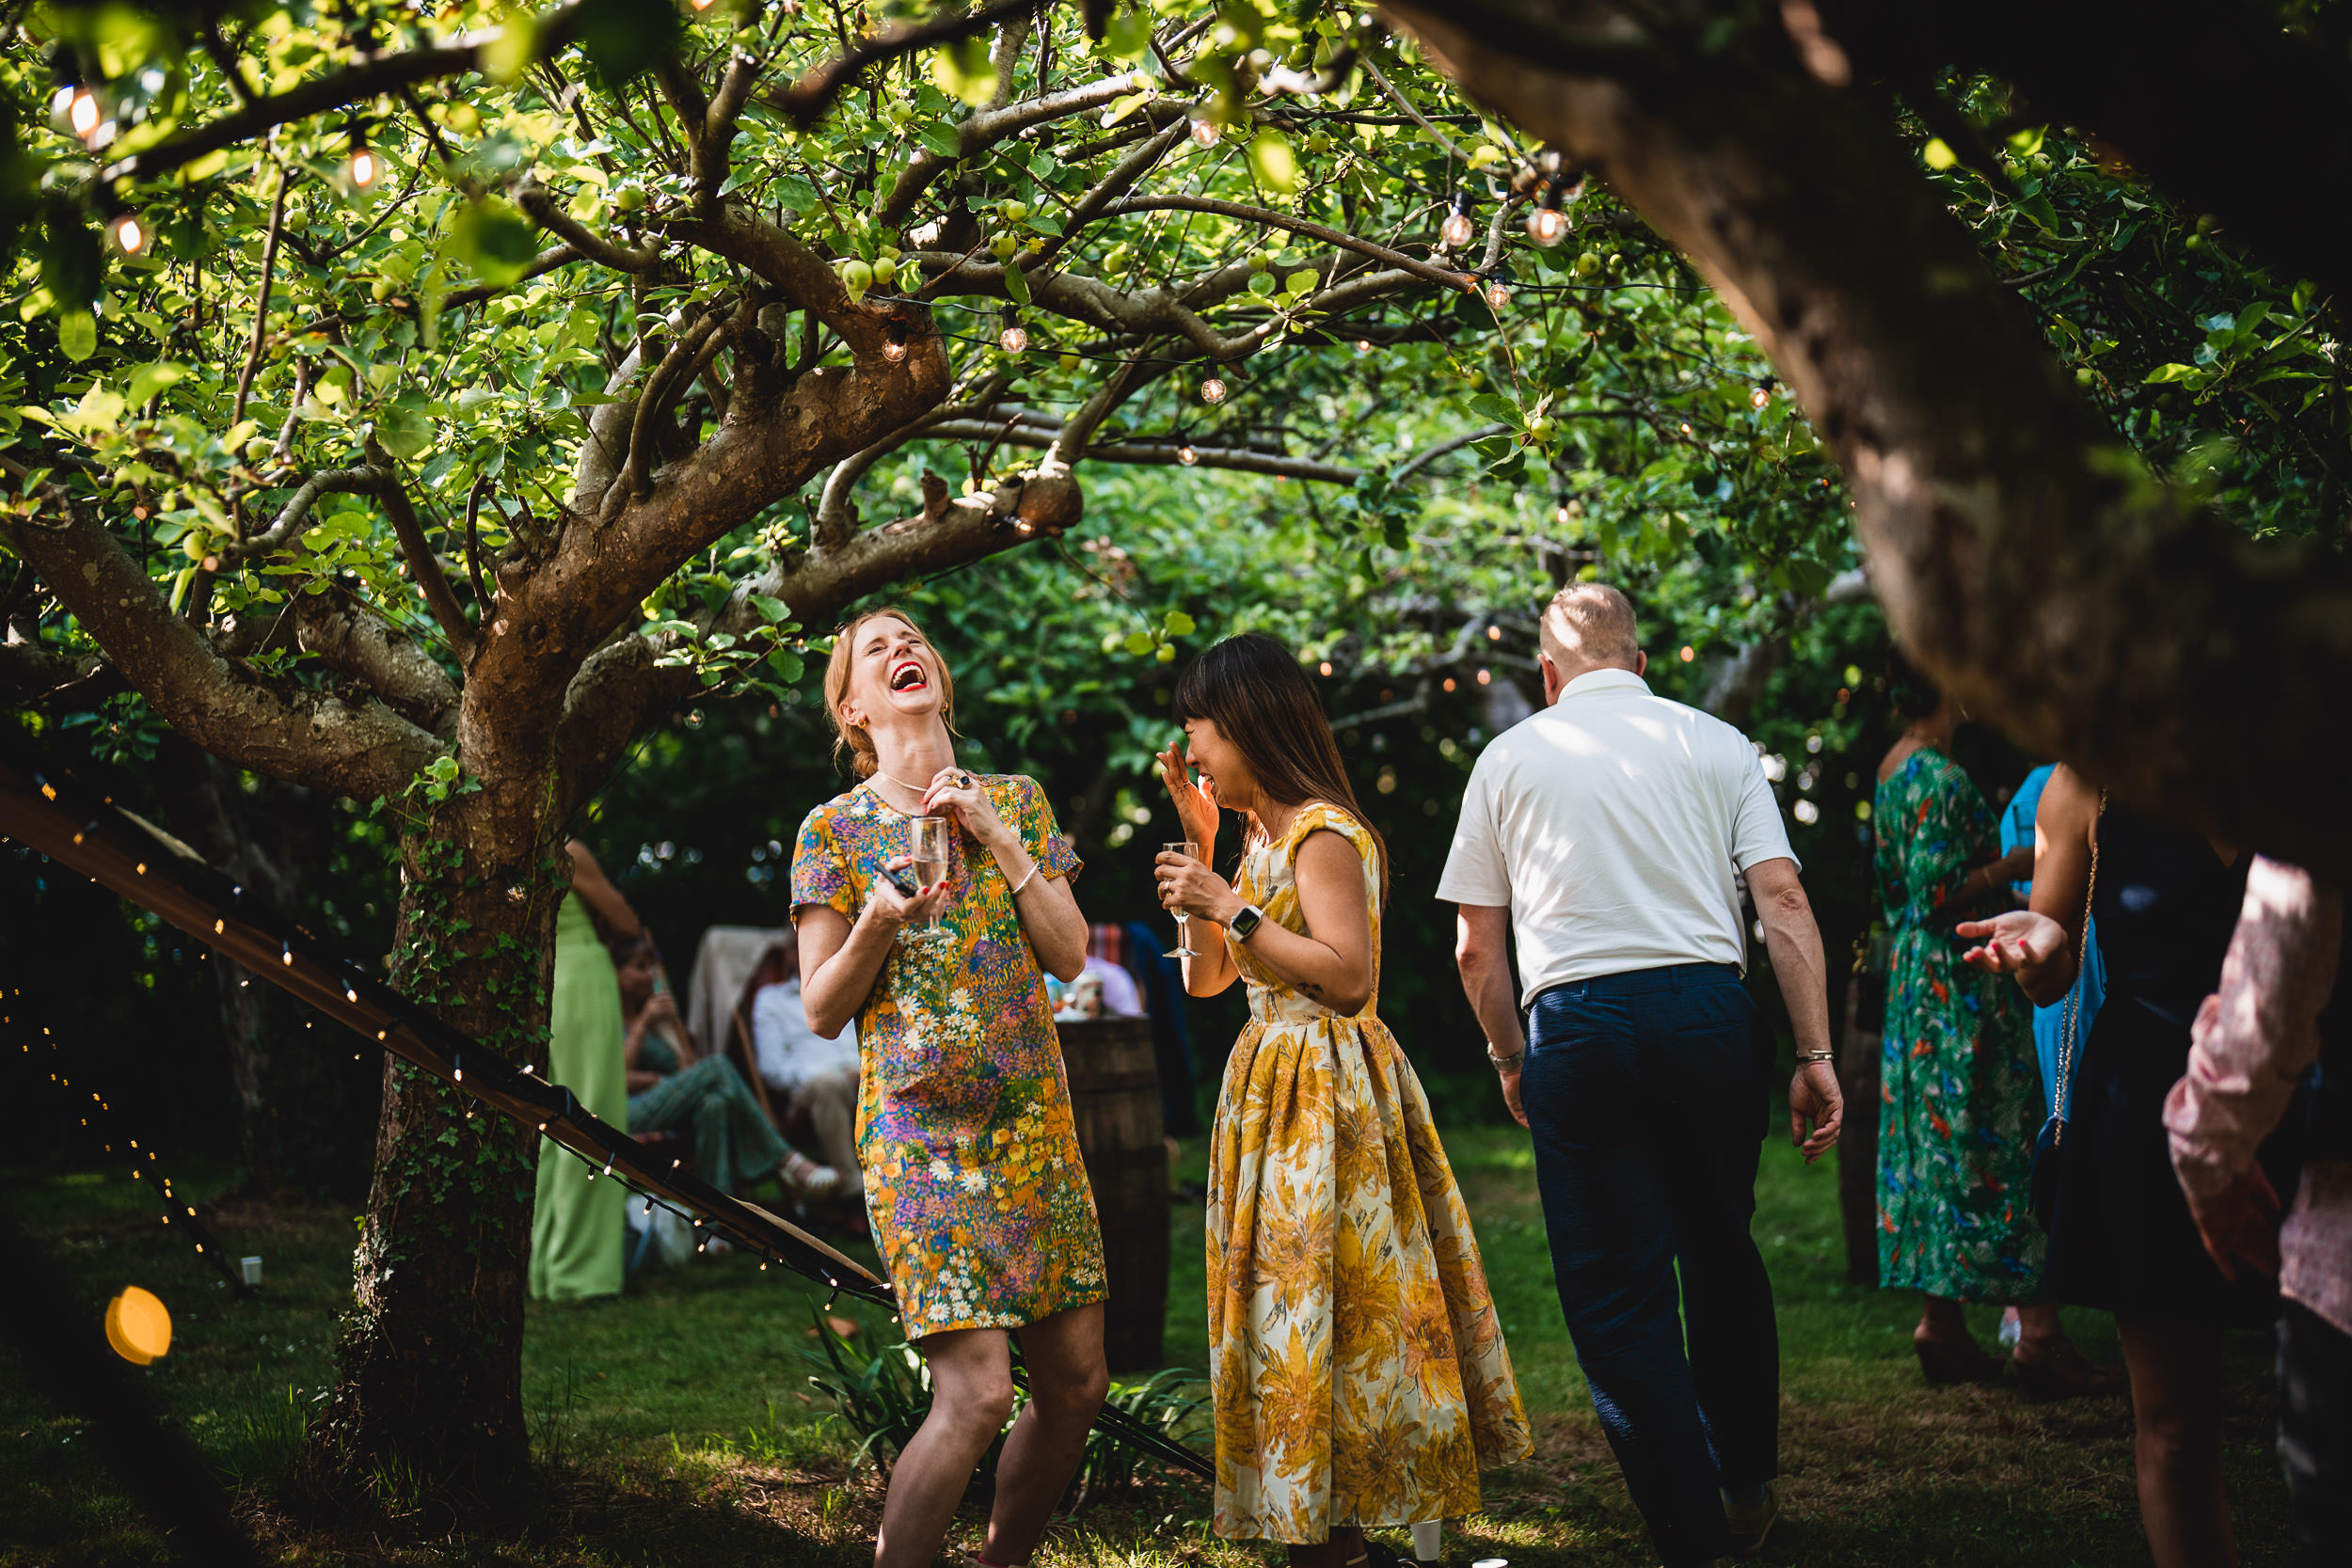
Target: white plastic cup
x,y
1428,1537
252,1268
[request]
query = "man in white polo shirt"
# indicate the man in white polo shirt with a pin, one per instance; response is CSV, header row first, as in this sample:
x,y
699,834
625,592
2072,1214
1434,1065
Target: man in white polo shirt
x,y
1607,833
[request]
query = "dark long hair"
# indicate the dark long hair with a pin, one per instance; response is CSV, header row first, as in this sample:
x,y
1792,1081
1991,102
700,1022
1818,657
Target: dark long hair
x,y
1251,688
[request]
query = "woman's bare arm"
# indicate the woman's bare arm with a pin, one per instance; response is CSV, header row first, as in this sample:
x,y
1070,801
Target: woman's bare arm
x,y
1333,961
590,882
840,961
2037,946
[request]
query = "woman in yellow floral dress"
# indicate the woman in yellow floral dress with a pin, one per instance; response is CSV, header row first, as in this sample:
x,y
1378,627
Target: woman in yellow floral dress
x,y
1357,1368
974,1183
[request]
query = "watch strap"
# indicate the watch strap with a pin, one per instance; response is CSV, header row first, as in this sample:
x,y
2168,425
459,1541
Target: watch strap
x,y
1247,922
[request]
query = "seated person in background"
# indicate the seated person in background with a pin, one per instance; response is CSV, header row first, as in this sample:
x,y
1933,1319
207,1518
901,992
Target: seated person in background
x,y
1121,999
669,1090
815,1078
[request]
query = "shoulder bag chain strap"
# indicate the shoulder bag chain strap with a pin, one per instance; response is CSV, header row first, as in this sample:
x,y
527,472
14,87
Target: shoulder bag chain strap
x,y
2075,992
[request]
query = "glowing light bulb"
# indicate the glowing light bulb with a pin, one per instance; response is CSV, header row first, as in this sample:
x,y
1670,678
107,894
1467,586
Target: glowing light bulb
x,y
81,113
363,167
1456,230
1213,390
699,5
1013,339
1186,456
1759,397
1497,295
127,236
1206,131
895,340
1546,226
1363,346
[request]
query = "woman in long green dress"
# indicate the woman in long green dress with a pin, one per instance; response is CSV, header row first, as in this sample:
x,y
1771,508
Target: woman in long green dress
x,y
1960,1097
576,1229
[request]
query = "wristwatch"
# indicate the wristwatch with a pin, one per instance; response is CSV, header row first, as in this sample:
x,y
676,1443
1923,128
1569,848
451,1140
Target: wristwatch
x,y
1507,1064
1245,922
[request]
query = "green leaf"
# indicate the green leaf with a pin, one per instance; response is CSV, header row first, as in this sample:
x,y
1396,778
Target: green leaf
x,y
405,433
77,335
1274,163
1301,284
2173,372
964,71
1178,624
1016,283
771,610
1139,643
147,380
1494,410
625,38
941,138
1126,36
787,665
491,237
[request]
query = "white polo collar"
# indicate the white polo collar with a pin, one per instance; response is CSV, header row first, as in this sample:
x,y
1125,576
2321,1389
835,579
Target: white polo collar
x,y
1603,680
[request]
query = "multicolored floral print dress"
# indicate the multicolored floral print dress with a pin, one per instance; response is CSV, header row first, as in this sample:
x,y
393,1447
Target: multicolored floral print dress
x,y
978,1199
1960,1088
1357,1365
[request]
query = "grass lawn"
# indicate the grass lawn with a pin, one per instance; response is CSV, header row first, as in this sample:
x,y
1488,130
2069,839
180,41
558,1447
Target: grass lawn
x,y
675,1425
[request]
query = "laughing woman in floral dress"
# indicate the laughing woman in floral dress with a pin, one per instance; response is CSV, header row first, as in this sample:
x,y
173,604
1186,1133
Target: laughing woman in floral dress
x,y
977,1197
1357,1367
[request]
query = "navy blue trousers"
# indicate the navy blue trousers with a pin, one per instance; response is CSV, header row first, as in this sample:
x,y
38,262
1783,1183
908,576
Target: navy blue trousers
x,y
1645,1093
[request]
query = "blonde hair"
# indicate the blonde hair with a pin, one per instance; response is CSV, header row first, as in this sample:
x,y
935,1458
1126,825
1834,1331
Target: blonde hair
x,y
852,738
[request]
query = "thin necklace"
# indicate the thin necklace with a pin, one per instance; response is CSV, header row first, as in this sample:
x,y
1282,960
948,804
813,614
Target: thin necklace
x,y
917,789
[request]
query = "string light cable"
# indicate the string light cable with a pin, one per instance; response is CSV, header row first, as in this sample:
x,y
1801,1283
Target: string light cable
x,y
48,809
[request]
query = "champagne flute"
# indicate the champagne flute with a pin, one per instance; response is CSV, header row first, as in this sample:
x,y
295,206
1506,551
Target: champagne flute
x,y
927,844
1184,922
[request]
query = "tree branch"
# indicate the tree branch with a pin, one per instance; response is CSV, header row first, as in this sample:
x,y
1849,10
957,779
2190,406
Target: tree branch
x,y
984,129
297,734
1156,451
537,201
294,517
807,100
358,642
372,77
425,567
1443,276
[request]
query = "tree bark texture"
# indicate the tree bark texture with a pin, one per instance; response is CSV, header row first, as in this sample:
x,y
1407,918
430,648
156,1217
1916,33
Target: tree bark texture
x,y
430,1389
2022,551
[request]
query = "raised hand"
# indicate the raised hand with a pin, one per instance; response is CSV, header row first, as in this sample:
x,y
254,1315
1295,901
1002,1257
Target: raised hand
x,y
957,792
1194,800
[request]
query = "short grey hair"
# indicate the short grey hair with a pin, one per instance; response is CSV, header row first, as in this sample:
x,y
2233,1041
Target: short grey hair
x,y
1593,623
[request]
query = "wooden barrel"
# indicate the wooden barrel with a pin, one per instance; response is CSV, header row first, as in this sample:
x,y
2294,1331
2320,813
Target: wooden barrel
x,y
1115,1091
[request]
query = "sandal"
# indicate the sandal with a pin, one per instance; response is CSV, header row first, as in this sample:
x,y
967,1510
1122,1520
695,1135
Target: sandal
x,y
1955,1361
2063,1374
804,1178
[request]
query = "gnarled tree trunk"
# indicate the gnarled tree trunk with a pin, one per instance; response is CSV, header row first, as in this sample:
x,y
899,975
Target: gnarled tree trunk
x,y
2020,549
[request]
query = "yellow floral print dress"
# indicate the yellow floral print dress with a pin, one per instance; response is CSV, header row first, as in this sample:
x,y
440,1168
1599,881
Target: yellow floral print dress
x,y
1356,1363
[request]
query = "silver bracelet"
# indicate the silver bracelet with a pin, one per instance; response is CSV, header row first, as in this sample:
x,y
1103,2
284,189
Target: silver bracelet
x,y
1025,880
1507,1063
1803,1056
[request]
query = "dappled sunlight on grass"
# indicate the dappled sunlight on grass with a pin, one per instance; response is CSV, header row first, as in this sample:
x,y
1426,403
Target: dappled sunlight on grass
x,y
677,1424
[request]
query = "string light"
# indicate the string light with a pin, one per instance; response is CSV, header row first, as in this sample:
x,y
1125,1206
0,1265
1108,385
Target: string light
x,y
1213,390
130,239
362,167
1456,231
1497,295
1013,339
1547,225
1204,129
1363,346
75,107
895,339
1762,395
1186,456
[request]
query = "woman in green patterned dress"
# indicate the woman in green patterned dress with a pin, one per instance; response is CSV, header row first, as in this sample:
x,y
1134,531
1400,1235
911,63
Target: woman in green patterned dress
x,y
975,1188
1961,1098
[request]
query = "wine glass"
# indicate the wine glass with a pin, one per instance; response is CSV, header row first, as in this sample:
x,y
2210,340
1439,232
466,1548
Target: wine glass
x,y
1184,949
927,839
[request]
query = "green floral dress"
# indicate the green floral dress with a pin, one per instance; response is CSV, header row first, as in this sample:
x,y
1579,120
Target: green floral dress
x,y
1961,1093
979,1197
